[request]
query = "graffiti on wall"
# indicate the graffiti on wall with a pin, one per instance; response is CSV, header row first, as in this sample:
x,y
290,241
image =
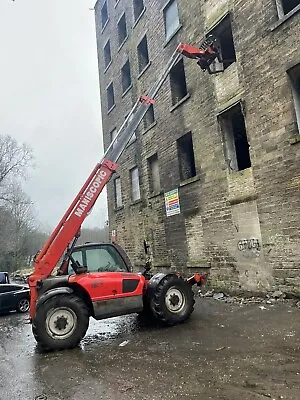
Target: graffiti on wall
x,y
249,247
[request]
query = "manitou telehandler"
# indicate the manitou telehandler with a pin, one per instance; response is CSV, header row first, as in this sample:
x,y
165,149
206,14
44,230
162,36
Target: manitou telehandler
x,y
96,280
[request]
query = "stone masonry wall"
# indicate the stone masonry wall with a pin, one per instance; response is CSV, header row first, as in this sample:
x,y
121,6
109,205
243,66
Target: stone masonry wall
x,y
241,226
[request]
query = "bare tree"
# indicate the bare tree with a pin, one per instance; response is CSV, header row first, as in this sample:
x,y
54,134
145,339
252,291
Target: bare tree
x,y
14,162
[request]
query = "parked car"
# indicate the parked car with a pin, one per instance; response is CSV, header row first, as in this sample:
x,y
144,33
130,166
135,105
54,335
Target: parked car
x,y
14,297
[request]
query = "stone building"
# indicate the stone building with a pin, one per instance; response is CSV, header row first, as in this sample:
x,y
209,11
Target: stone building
x,y
226,146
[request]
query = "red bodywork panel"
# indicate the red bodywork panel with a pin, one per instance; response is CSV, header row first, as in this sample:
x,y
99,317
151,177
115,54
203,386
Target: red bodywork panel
x,y
108,285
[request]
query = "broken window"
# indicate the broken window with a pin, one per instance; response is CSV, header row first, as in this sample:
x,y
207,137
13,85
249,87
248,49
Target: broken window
x,y
143,56
104,15
185,148
294,75
149,118
285,6
223,33
135,184
118,193
107,54
154,179
178,82
171,19
113,135
126,76
233,128
110,96
138,7
122,29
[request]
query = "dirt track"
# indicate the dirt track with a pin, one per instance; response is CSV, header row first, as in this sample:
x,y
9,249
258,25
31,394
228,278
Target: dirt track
x,y
225,351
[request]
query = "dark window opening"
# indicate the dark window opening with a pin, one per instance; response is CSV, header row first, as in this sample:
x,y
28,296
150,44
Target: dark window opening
x,y
285,6
113,135
234,132
138,7
154,178
185,148
143,55
223,33
122,29
126,76
294,75
178,82
104,15
149,117
110,96
107,54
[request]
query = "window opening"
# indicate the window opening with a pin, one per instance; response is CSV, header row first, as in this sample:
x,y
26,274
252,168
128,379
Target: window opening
x,y
187,167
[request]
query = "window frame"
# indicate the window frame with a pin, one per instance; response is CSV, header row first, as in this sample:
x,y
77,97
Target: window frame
x,y
118,193
121,42
169,35
104,23
151,161
126,69
107,64
113,96
138,187
141,56
294,77
176,82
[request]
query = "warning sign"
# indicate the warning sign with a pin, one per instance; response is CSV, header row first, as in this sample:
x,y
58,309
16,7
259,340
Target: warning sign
x,y
172,202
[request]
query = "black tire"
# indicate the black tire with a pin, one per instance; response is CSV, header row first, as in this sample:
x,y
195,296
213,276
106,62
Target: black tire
x,y
173,300
23,305
60,323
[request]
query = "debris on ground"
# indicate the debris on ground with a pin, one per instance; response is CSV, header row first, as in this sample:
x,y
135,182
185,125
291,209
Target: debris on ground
x,y
270,298
124,343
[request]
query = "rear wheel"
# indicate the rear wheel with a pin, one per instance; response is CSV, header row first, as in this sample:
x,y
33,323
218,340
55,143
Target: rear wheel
x,y
61,322
23,305
173,300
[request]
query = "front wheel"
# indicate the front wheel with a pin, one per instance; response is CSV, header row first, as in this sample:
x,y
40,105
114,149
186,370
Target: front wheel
x,y
61,322
173,300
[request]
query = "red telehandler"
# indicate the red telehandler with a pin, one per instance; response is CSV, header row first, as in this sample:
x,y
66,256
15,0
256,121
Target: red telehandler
x,y
96,280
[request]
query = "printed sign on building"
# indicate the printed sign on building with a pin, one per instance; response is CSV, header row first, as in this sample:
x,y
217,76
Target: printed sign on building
x,y
172,202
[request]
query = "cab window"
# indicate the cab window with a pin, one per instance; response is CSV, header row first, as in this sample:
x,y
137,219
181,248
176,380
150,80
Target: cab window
x,y
99,259
104,259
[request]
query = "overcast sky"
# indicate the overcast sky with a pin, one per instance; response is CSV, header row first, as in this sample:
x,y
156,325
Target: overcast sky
x,y
49,98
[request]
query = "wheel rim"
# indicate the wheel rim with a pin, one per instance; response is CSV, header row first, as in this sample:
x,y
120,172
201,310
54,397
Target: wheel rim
x,y
175,300
61,322
24,305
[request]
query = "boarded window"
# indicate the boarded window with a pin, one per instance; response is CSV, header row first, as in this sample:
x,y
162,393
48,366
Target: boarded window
x,y
104,15
294,75
110,96
118,193
185,148
223,33
149,118
171,19
135,184
122,29
233,128
154,178
126,76
178,82
285,6
143,55
138,7
107,54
